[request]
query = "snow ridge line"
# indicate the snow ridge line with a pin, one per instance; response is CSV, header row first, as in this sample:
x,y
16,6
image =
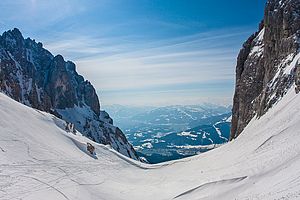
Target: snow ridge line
x,y
210,183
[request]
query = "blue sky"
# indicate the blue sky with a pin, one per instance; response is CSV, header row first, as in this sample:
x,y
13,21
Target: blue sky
x,y
143,52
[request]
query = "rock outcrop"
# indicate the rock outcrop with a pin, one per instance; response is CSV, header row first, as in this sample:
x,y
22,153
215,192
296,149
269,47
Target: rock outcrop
x,y
33,76
297,77
267,64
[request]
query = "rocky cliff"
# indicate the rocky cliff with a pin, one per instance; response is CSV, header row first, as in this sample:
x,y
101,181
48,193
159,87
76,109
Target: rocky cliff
x,y
33,76
267,65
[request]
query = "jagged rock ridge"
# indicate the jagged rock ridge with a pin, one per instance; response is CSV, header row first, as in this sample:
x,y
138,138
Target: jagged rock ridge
x,y
267,65
33,76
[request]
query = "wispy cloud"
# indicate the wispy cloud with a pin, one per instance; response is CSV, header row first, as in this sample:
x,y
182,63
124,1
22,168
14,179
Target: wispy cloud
x,y
133,58
38,13
118,66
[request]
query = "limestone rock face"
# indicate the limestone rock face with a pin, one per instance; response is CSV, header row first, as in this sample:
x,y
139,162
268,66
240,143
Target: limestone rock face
x,y
266,66
297,77
33,76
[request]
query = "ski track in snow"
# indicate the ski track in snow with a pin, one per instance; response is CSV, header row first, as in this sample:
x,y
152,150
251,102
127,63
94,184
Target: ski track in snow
x,y
39,160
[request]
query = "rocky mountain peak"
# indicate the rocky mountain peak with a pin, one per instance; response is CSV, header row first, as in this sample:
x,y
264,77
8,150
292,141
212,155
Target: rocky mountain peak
x,y
13,37
31,75
266,64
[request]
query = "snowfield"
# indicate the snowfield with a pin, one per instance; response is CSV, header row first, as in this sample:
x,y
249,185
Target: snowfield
x,y
40,160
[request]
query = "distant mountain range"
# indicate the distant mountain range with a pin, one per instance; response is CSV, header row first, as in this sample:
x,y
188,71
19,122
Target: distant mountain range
x,y
172,132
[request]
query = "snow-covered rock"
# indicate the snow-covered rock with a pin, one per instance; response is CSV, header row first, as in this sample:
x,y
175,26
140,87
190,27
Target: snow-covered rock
x,y
267,63
33,76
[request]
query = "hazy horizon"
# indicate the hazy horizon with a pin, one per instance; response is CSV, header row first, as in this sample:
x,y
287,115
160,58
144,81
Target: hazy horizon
x,y
160,106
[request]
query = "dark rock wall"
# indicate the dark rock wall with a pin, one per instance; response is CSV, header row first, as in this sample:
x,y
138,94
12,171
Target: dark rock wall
x,y
261,79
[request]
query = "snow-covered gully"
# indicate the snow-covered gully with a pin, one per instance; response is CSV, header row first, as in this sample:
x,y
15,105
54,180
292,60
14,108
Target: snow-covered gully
x,y
40,160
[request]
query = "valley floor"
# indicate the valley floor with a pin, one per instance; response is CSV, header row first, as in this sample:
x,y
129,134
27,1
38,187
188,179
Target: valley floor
x,y
40,160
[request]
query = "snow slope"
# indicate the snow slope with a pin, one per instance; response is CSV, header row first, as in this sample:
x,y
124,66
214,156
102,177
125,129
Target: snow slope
x,y
40,160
